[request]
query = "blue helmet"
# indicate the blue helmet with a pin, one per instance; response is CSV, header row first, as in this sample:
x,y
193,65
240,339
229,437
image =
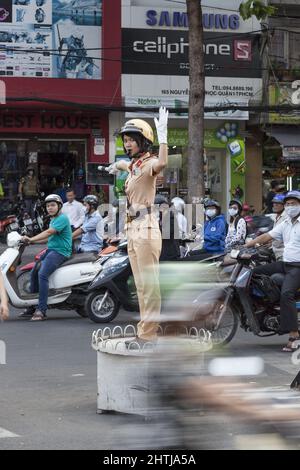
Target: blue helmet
x,y
292,195
80,172
211,202
278,199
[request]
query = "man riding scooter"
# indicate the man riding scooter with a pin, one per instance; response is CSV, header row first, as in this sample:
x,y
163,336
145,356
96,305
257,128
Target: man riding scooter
x,y
278,216
289,233
92,229
59,249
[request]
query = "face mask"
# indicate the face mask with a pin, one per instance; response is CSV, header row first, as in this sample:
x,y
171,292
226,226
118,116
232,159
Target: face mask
x,y
292,211
86,210
114,210
232,211
210,212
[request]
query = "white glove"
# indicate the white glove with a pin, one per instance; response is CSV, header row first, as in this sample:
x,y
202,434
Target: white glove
x,y
161,125
112,169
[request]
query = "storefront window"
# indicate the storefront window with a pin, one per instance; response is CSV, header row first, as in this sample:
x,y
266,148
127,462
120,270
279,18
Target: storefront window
x,y
56,162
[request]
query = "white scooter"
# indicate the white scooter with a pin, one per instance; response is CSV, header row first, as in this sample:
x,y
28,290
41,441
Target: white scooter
x,y
67,285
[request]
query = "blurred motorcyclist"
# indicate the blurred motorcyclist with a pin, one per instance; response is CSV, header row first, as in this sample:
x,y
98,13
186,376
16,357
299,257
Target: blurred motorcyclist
x,y
289,233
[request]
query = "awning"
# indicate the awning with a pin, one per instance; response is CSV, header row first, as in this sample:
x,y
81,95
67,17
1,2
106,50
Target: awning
x,y
289,139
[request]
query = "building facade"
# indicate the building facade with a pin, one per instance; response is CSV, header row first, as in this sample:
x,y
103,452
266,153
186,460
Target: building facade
x,y
61,67
155,72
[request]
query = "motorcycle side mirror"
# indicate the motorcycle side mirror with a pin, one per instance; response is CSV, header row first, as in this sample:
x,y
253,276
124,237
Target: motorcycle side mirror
x,y
264,229
234,254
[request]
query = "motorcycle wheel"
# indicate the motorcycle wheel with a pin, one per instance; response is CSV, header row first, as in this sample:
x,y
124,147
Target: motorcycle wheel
x,y
226,329
23,280
101,313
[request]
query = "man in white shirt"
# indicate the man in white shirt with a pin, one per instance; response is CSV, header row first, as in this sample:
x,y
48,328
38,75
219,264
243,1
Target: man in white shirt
x,y
278,216
289,233
74,210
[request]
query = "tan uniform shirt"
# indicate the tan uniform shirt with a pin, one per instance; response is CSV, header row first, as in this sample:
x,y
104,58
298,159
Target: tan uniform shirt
x,y
140,189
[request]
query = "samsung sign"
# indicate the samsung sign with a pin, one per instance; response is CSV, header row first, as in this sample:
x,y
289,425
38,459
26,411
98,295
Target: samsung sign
x,y
179,19
162,52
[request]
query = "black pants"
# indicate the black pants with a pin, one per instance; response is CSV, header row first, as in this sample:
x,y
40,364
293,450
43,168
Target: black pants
x,y
291,283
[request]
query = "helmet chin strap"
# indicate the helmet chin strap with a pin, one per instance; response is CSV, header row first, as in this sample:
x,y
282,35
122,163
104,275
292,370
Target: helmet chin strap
x,y
135,155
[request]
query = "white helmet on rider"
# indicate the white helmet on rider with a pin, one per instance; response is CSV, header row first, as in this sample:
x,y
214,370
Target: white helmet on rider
x,y
54,198
178,203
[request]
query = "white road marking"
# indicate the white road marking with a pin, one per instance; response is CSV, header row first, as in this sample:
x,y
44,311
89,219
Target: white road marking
x,y
4,433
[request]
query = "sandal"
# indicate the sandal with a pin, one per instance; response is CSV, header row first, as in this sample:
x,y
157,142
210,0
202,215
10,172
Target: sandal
x,y
38,316
293,344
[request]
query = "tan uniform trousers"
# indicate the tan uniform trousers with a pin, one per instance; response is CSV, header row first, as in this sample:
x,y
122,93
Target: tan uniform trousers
x,y
144,248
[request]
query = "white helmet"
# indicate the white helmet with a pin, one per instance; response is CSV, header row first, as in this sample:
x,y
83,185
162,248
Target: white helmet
x,y
178,203
54,198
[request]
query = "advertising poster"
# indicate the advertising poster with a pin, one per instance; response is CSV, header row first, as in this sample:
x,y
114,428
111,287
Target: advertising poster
x,y
77,38
51,38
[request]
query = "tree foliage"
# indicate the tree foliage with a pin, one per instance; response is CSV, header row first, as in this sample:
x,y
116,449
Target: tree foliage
x,y
255,8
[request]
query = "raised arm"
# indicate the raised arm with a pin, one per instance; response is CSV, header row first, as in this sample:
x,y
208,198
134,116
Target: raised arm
x,y
162,134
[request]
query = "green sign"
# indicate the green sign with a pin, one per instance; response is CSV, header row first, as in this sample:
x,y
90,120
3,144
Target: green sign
x,y
213,138
282,94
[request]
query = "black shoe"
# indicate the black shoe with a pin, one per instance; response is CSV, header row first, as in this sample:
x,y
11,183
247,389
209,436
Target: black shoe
x,y
27,313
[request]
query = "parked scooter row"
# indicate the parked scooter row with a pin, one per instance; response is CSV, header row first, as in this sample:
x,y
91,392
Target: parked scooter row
x,y
14,217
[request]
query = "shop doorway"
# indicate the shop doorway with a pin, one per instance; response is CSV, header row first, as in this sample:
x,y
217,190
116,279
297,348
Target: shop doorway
x,y
216,175
58,164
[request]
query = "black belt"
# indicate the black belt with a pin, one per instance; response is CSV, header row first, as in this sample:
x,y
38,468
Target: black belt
x,y
139,214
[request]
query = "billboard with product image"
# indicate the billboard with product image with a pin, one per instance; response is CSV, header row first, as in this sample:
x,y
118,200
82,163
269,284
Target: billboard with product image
x,y
51,38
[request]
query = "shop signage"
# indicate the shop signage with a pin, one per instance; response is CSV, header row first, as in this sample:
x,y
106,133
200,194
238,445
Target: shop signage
x,y
166,15
166,53
48,121
99,146
291,153
179,137
285,93
180,19
176,104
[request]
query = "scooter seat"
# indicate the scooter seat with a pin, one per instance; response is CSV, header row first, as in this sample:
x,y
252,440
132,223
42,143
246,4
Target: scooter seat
x,y
81,258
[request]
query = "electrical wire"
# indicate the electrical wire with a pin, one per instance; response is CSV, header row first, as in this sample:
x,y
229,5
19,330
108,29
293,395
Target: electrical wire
x,y
122,108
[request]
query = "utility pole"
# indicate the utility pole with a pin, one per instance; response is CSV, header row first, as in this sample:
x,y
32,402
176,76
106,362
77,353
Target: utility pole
x,y
195,171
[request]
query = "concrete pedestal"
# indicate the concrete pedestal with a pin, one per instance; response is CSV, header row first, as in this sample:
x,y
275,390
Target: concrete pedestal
x,y
125,376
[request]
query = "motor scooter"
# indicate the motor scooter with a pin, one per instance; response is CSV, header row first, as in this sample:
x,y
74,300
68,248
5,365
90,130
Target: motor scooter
x,y
67,285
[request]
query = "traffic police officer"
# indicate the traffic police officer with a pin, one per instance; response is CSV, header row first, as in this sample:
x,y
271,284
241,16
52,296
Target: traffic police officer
x,y
143,234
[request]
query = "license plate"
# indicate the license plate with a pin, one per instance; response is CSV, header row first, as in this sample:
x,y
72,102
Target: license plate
x,y
14,226
27,221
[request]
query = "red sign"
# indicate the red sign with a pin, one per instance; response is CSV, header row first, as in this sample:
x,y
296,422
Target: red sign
x,y
242,50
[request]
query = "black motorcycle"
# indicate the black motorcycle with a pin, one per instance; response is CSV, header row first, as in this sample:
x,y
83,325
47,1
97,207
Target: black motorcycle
x,y
112,288
249,299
